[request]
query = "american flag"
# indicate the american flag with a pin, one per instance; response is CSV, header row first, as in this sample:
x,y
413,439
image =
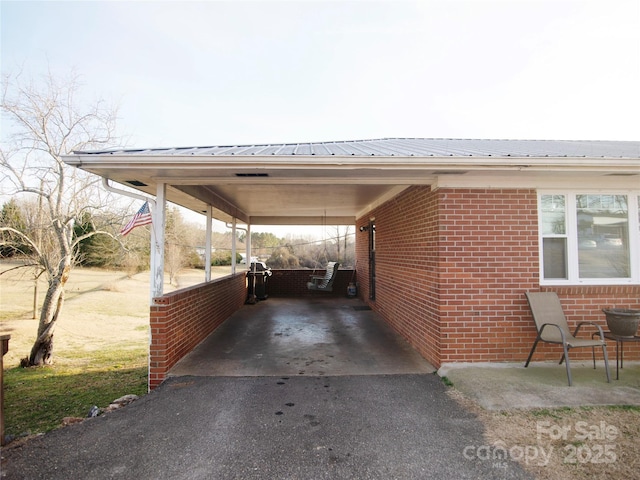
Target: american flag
x,y
142,217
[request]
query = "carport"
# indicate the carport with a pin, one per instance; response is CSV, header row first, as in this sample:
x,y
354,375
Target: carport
x,y
448,236
331,183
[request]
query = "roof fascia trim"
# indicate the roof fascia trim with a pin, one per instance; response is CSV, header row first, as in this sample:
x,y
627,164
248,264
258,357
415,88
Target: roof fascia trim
x,y
317,161
540,182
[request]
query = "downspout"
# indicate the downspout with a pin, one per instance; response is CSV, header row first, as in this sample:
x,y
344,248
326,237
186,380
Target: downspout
x,y
109,188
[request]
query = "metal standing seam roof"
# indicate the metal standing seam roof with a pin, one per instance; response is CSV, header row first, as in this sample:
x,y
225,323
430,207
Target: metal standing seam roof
x,y
407,147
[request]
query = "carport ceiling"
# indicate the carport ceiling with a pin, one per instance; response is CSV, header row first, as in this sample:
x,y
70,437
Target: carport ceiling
x,y
335,182
302,200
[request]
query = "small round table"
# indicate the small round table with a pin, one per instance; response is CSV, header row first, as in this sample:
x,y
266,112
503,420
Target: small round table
x,y
620,341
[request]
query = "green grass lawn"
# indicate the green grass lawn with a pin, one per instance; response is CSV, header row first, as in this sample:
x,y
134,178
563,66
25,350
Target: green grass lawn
x,y
100,349
38,398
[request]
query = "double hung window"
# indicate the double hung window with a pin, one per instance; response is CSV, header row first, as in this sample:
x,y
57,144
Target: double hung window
x,y
590,238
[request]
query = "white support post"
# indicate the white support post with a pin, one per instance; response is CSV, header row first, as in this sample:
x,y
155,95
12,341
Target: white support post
x,y
207,248
157,242
233,247
247,242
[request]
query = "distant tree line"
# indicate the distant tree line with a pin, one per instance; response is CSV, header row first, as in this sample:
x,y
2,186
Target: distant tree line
x,y
184,246
294,252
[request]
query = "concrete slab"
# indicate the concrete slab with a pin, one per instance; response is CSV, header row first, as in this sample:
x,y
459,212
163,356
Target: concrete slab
x,y
324,336
507,386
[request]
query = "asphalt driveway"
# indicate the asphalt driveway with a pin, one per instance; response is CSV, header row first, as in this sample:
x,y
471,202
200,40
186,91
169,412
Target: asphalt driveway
x,y
299,427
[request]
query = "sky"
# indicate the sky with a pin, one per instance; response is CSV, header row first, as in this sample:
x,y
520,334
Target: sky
x,y
241,73
221,73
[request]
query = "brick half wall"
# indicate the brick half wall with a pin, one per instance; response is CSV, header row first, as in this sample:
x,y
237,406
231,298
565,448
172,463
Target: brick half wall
x,y
293,283
180,320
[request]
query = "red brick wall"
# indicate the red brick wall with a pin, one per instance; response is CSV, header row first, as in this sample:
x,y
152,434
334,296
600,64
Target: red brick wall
x,y
407,291
181,320
452,268
488,259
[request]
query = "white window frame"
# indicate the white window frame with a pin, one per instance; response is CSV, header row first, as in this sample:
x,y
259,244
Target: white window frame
x,y
571,227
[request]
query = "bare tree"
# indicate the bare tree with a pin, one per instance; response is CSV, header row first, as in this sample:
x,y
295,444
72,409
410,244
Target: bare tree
x,y
47,121
343,240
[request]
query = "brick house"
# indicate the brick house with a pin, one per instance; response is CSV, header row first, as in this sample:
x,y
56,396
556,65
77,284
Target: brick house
x,y
449,233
